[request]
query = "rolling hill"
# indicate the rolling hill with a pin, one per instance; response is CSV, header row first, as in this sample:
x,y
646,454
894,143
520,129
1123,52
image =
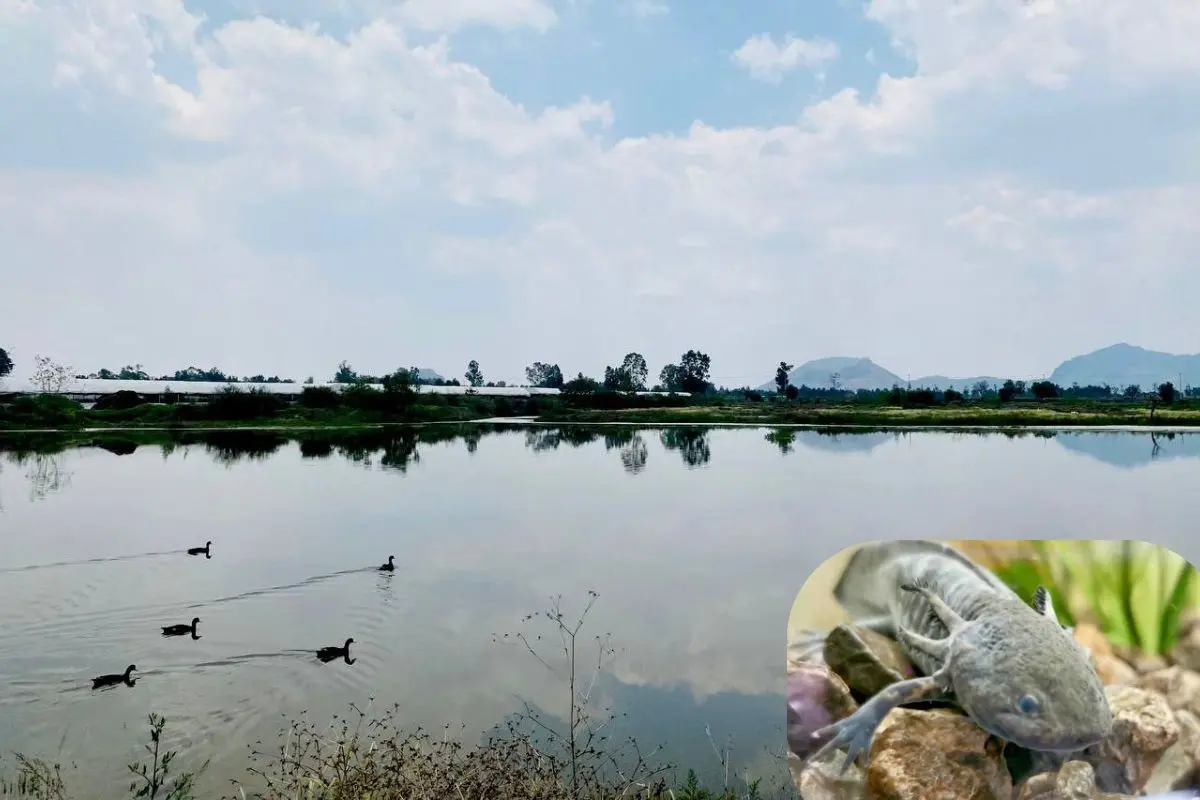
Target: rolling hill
x,y
1122,364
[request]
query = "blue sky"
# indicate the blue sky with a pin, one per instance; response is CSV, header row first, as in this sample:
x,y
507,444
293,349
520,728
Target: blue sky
x,y
273,187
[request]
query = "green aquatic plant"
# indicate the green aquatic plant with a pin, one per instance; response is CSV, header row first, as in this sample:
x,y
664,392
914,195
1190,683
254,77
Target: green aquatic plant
x,y
1136,593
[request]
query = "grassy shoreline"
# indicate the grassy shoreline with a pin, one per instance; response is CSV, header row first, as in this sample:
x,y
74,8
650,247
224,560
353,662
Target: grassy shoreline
x,y
740,414
884,417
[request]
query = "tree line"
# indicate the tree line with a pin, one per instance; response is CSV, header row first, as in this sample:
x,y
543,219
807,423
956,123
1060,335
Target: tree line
x,y
690,374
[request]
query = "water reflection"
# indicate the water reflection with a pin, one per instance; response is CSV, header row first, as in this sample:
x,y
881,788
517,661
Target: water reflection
x,y
398,449
1131,451
691,443
697,561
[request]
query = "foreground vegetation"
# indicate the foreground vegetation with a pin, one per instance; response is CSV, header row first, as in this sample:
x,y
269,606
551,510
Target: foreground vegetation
x,y
531,756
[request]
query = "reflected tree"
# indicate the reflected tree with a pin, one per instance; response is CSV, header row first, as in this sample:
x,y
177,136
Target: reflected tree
x,y
229,447
632,447
399,452
316,448
471,439
539,440
783,438
634,455
46,473
692,444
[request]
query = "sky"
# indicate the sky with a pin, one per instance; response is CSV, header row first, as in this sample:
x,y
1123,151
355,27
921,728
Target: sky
x,y
955,187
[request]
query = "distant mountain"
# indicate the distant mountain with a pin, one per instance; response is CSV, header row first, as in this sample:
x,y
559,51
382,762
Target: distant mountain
x,y
424,374
1118,366
863,373
1123,364
853,374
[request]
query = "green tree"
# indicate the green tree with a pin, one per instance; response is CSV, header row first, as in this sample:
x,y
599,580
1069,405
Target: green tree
x,y
693,371
1167,392
1043,390
781,375
635,372
345,373
792,392
6,363
580,384
544,376
670,378
1008,392
473,374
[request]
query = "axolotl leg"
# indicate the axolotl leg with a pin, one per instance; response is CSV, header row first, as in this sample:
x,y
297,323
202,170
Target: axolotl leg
x,y
856,730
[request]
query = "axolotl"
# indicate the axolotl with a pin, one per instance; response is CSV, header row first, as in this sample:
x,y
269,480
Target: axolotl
x,y
1011,666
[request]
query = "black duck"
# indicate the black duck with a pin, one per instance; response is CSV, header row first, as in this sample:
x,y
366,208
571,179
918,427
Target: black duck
x,y
390,566
181,630
110,680
330,653
198,551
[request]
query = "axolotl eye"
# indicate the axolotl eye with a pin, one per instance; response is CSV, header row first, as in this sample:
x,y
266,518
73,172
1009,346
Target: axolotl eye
x,y
1028,704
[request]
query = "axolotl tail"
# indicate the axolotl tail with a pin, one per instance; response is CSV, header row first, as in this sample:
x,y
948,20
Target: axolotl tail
x,y
863,590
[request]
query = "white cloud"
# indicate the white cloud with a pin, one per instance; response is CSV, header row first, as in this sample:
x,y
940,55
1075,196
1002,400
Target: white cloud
x,y
1039,159
767,60
649,8
450,15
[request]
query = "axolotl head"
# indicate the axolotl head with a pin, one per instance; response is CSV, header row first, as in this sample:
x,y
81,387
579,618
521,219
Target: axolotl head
x,y
1024,678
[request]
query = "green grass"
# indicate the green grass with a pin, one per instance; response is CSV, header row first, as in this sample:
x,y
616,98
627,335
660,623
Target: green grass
x,y
47,412
1134,592
873,415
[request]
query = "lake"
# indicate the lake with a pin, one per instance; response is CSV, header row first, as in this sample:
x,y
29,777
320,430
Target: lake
x,y
697,542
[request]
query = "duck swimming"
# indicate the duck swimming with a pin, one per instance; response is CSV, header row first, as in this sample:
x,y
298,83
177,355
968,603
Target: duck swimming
x,y
180,630
195,551
330,653
389,566
109,680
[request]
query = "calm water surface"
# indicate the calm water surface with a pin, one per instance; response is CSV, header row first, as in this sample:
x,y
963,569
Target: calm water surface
x,y
696,541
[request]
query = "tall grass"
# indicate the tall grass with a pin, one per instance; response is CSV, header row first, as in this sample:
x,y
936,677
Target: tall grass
x,y
1136,593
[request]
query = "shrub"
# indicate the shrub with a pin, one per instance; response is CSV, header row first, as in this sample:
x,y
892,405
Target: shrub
x,y
320,397
232,403
119,401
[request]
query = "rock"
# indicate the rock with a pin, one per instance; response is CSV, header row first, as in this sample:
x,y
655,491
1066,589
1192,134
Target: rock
x,y
1179,686
1076,781
816,697
1177,767
1093,639
1113,671
820,781
805,648
867,661
1148,662
935,755
1186,652
1143,728
1043,786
